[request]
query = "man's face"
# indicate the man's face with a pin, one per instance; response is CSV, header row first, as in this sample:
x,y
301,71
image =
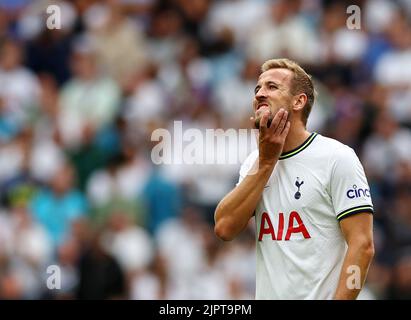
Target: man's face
x,y
272,93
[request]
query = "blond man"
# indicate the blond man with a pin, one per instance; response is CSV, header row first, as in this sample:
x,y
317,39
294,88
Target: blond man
x,y
309,196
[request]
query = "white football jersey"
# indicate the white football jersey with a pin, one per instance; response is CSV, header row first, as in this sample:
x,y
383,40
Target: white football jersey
x,y
300,246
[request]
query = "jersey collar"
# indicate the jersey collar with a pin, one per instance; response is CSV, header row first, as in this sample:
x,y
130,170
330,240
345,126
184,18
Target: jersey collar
x,y
304,145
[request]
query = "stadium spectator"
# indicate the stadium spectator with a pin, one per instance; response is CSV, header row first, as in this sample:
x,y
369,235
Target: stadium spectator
x,y
58,206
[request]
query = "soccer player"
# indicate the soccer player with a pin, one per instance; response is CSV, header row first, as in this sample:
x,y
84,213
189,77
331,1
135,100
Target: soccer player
x,y
308,193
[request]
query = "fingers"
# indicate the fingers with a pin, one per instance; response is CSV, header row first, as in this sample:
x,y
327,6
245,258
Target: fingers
x,y
264,121
278,123
282,123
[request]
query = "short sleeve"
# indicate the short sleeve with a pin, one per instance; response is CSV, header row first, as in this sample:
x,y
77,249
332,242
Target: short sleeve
x,y
247,165
349,188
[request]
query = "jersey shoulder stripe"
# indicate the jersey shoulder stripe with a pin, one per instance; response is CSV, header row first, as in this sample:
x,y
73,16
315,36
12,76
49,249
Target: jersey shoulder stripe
x,y
355,210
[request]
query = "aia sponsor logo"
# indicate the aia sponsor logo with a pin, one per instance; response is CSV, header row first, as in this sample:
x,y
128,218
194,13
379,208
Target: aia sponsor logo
x,y
358,192
295,225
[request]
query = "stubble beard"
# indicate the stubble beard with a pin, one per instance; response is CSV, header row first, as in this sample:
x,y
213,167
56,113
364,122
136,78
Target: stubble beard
x,y
258,120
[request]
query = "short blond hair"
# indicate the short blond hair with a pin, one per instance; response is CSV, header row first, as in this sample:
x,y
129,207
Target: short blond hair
x,y
300,83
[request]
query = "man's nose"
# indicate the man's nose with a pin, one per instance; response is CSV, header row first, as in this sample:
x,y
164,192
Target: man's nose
x,y
261,94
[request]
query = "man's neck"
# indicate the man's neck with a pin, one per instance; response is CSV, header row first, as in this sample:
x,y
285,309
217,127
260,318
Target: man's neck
x,y
296,136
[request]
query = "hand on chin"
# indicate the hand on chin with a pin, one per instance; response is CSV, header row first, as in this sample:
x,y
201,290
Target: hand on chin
x,y
258,115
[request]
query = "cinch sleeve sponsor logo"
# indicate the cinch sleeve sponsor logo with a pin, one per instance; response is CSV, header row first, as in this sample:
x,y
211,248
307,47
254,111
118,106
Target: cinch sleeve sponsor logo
x,y
358,192
295,225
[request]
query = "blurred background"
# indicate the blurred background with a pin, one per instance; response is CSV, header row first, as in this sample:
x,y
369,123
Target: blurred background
x,y
78,105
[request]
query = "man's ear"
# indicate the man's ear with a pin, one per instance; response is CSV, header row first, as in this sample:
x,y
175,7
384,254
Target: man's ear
x,y
299,102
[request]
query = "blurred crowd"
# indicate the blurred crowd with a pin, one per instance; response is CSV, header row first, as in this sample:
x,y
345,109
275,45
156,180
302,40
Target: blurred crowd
x,y
78,188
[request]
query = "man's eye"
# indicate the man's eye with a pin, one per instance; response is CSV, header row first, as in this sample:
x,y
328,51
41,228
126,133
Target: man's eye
x,y
272,87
